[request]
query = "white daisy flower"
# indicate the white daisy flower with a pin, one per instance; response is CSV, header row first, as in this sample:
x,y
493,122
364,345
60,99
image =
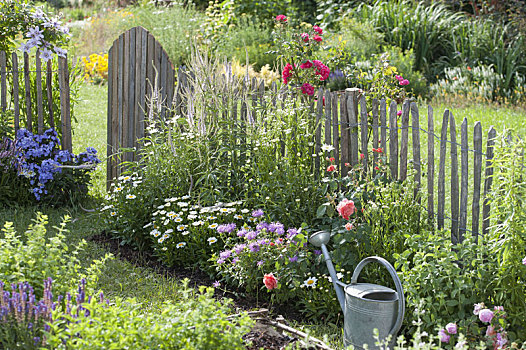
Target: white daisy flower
x,y
198,223
166,222
169,231
178,219
126,178
239,217
180,245
155,233
310,282
148,225
113,213
327,148
211,240
185,197
192,216
184,233
245,211
118,188
164,248
223,210
182,204
213,226
181,227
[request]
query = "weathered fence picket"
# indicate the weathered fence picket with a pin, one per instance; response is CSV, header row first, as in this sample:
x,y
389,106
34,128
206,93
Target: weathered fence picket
x,y
40,103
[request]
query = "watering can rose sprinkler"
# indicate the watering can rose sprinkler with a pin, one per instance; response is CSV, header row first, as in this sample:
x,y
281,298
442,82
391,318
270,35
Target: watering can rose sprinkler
x,y
365,306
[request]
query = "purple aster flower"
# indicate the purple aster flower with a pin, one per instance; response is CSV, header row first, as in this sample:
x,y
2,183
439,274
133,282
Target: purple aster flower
x,y
293,259
262,226
225,254
261,262
277,228
251,235
241,233
317,252
216,284
239,248
257,213
220,261
254,247
226,228
291,233
235,260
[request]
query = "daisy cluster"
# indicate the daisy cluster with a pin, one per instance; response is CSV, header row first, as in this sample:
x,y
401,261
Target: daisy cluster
x,y
178,221
123,189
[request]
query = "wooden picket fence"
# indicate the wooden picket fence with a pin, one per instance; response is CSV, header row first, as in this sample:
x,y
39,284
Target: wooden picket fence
x,y
10,97
342,120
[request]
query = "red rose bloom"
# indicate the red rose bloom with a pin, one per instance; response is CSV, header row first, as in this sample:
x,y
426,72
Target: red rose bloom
x,y
270,281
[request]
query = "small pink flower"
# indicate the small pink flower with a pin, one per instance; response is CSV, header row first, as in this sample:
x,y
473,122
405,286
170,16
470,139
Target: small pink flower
x,y
281,18
490,331
349,226
317,38
318,30
498,308
403,82
331,168
305,37
399,77
346,208
287,73
451,328
307,89
399,113
444,337
486,315
477,308
306,65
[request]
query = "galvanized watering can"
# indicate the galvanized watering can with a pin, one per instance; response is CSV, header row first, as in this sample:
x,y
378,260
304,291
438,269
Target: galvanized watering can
x,y
365,306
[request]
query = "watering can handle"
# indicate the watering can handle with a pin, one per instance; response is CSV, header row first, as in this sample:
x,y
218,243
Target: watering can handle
x,y
398,284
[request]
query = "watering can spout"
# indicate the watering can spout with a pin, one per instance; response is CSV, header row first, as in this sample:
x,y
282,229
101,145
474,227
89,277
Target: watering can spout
x,y
320,239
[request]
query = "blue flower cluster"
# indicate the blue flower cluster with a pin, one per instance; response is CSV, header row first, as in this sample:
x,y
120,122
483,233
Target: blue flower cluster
x,y
39,158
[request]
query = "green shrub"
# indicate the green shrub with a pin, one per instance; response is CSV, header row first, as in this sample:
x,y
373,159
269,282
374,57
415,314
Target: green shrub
x,y
33,258
194,322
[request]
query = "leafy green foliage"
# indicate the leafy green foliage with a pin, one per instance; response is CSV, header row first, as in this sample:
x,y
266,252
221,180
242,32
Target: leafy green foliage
x,y
198,322
34,257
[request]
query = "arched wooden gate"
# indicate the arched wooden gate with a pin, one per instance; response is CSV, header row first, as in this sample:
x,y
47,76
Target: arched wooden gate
x,y
135,60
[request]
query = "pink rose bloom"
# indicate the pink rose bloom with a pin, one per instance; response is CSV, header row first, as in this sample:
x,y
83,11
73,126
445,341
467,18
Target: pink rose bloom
x,y
403,82
305,37
270,281
307,89
349,226
477,308
399,113
281,18
399,77
346,208
306,65
486,315
444,337
317,38
322,70
451,328
318,30
287,73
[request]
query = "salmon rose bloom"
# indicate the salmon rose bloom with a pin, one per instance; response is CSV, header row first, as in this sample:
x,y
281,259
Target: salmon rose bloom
x,y
270,281
346,208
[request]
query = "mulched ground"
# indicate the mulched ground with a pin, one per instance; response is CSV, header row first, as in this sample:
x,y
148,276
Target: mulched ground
x,y
261,337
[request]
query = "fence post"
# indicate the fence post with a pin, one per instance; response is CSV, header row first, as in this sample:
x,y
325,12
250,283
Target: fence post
x,y
477,172
489,180
393,141
442,172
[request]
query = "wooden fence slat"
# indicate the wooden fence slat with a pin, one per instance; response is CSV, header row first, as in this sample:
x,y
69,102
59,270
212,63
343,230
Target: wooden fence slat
x,y
393,141
16,102
375,135
415,127
454,181
364,132
109,126
462,222
120,106
352,106
477,172
143,85
63,75
442,172
27,85
328,119
344,131
40,103
383,122
150,70
3,82
317,136
430,164
49,91
335,128
489,179
404,141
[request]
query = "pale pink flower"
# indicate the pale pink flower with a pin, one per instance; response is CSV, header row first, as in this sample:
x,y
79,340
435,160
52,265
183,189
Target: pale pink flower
x,y
451,328
486,315
444,337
